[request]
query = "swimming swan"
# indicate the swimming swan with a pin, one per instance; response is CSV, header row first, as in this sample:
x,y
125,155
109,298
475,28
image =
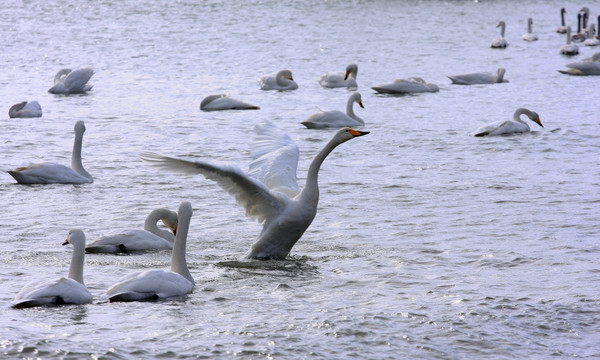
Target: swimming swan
x,y
156,283
500,42
582,68
516,125
340,79
337,119
151,238
25,110
529,36
224,102
411,85
479,78
70,290
269,192
67,81
562,29
591,40
568,48
283,80
50,173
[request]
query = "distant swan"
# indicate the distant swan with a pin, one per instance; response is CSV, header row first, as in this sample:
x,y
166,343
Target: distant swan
x,y
50,173
591,40
340,79
568,48
562,29
580,35
406,86
62,291
500,42
479,78
224,102
337,119
529,36
516,125
270,192
68,81
151,238
160,284
25,110
283,80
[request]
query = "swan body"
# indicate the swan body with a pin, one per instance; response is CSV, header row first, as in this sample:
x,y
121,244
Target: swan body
x,y
50,173
582,68
529,36
160,284
224,102
568,48
337,119
68,81
340,79
151,238
69,290
591,40
25,109
283,80
562,29
269,192
479,78
406,86
516,125
501,41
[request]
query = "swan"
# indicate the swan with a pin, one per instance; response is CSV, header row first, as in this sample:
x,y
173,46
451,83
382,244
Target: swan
x,y
269,192
337,119
340,79
68,81
500,42
25,109
568,48
151,238
529,36
516,125
50,173
283,80
156,283
69,290
479,78
582,68
224,102
591,40
406,86
562,29
580,35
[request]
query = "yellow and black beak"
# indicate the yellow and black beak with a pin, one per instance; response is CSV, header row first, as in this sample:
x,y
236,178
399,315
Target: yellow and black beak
x,y
356,133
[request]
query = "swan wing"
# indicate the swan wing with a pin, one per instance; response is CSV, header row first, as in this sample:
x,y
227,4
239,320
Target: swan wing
x,y
501,128
77,80
47,173
333,80
257,200
60,291
147,285
129,240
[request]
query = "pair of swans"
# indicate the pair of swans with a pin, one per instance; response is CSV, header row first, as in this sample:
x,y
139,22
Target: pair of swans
x,y
224,102
67,81
411,85
337,119
50,173
269,192
516,125
150,238
25,109
529,35
569,48
283,80
340,79
479,78
501,41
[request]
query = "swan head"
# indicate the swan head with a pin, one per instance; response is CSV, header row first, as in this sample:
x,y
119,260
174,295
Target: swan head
x,y
285,74
347,133
12,112
501,24
532,115
171,220
351,69
357,98
80,126
76,237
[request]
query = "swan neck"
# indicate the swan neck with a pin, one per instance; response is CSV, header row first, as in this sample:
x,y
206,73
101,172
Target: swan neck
x,y
311,188
502,29
150,224
529,28
519,112
76,156
178,261
562,18
77,260
350,111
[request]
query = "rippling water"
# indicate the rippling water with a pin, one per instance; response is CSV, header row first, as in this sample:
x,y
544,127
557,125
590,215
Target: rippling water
x,y
428,243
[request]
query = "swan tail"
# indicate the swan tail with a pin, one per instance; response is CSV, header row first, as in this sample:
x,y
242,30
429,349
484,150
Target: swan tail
x,y
49,300
133,296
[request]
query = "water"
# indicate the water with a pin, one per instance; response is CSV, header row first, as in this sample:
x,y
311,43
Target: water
x,y
428,243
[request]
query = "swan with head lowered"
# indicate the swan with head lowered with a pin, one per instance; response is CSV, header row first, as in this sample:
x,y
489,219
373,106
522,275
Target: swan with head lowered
x,y
340,79
529,35
337,119
150,238
479,78
412,85
283,80
50,173
156,283
25,109
501,41
69,290
269,192
224,102
516,125
67,81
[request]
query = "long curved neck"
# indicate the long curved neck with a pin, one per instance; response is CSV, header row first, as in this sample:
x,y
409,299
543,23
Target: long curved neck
x,y
350,111
500,76
310,192
76,156
152,220
562,17
518,113
60,75
77,260
178,262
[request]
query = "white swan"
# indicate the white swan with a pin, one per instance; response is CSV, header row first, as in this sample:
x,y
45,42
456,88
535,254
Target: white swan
x,y
151,238
224,102
406,86
591,40
501,41
68,81
50,173
70,290
479,78
25,109
516,125
582,68
337,119
270,192
340,79
529,36
562,29
283,80
160,284
568,48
